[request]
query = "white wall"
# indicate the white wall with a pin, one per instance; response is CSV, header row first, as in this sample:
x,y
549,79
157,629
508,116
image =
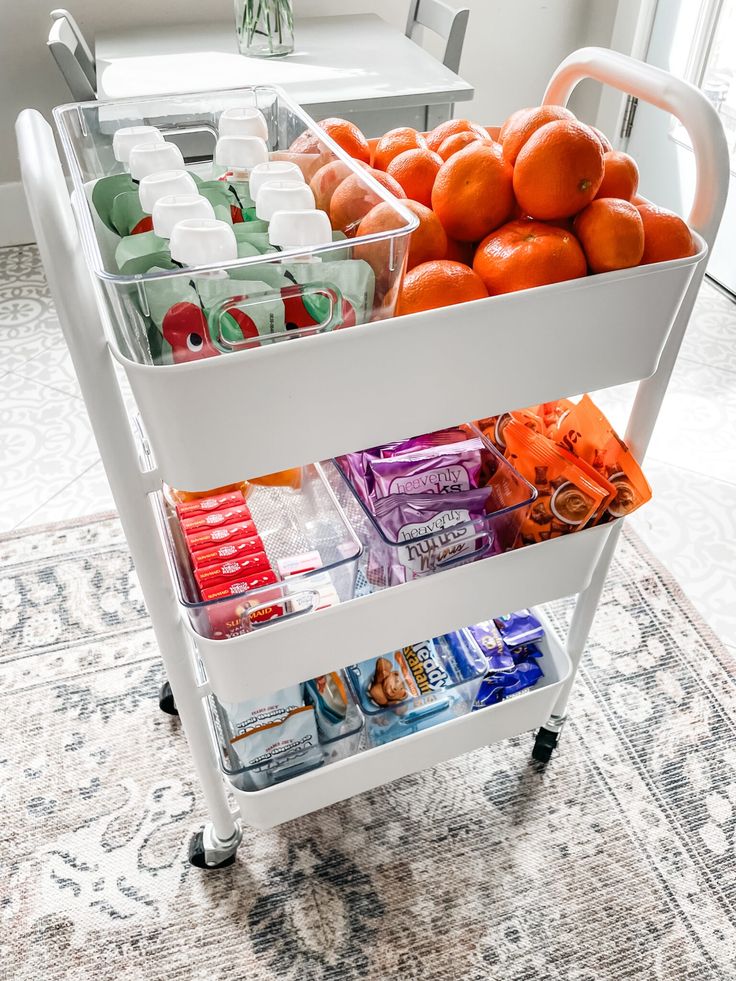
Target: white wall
x,y
510,50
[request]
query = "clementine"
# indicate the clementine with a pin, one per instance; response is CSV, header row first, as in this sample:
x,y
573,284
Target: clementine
x,y
450,128
353,199
343,132
458,141
428,241
381,218
620,176
521,124
558,170
666,236
416,171
326,181
528,253
438,284
602,139
394,142
611,233
473,192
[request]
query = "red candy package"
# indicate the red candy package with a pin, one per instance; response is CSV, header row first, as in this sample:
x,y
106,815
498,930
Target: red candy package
x,y
208,538
267,578
206,504
212,519
239,568
227,550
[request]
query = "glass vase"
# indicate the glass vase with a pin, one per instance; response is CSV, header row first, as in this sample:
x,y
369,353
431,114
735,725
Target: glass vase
x,y
265,28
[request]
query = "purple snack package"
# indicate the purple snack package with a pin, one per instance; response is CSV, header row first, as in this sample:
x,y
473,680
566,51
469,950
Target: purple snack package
x,y
440,438
434,470
498,685
519,628
446,518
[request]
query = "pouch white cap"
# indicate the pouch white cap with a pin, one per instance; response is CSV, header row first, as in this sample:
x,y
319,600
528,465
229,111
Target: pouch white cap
x,y
243,121
283,196
126,138
152,158
155,186
299,229
173,208
274,170
202,241
240,154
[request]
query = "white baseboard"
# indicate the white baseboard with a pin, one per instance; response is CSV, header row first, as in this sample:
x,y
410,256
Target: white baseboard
x,y
15,222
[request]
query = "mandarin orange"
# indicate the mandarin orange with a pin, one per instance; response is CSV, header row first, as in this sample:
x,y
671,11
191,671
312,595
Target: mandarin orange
x,y
620,176
558,170
416,171
439,283
343,132
458,141
666,236
611,233
473,192
521,124
528,253
394,142
353,199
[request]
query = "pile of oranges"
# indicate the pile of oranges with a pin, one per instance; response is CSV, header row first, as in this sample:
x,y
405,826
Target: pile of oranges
x,y
543,200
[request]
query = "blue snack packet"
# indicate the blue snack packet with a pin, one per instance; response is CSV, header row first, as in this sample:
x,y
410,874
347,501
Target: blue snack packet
x,y
519,628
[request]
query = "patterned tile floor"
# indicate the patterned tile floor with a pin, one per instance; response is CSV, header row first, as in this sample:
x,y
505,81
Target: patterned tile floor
x,y
51,469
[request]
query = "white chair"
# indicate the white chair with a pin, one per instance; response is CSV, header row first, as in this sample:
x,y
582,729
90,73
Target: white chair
x,y
73,56
448,22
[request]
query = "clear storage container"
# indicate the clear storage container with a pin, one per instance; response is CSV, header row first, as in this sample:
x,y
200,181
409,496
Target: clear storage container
x,y
419,686
290,523
447,530
265,289
317,744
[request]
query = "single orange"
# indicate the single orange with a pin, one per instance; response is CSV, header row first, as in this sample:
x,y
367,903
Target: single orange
x,y
438,284
416,171
458,141
326,181
394,142
353,199
558,170
473,192
527,253
449,128
521,124
620,176
611,233
381,218
602,139
343,132
666,236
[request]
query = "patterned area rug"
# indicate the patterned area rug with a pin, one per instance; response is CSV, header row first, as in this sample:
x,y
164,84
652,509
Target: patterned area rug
x,y
616,863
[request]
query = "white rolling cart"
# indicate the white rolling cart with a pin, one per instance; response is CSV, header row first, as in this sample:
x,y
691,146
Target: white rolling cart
x,y
475,360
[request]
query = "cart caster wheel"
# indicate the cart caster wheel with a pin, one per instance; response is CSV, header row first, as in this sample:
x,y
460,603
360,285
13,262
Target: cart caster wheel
x,y
544,744
166,700
214,857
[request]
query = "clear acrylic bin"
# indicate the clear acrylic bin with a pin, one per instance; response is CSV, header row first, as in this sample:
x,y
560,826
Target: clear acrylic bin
x,y
457,536
323,743
289,522
259,290
431,682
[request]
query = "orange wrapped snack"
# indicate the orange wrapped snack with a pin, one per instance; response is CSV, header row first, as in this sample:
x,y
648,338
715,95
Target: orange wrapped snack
x,y
586,433
494,427
184,497
569,496
282,478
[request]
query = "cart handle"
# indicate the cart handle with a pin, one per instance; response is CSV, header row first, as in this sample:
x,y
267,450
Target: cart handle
x,y
675,96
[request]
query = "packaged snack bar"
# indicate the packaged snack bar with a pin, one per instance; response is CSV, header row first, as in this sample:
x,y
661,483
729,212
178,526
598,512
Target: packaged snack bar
x,y
494,427
488,638
434,470
210,537
568,498
586,433
184,497
212,519
242,567
433,528
254,581
294,565
519,628
228,550
216,502
498,685
440,438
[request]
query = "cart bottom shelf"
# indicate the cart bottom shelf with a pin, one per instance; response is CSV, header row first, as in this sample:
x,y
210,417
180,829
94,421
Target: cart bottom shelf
x,y
373,767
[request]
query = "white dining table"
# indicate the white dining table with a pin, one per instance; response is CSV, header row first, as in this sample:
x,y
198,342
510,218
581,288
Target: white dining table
x,y
345,65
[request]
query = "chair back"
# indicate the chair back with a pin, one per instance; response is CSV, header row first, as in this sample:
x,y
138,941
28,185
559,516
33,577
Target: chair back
x,y
73,56
450,23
